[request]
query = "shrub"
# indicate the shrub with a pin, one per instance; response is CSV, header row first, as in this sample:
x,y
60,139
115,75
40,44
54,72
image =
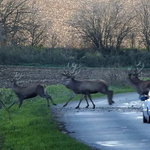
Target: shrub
x,y
27,55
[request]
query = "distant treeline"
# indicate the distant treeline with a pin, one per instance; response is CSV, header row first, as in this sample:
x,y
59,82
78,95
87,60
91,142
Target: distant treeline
x,y
58,57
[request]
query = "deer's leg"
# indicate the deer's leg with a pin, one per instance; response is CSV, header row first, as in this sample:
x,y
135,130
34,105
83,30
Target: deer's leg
x,y
45,95
15,102
49,97
72,96
80,101
48,105
86,101
110,96
91,100
21,101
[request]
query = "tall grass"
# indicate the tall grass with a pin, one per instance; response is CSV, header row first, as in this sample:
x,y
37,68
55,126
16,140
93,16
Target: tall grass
x,y
32,127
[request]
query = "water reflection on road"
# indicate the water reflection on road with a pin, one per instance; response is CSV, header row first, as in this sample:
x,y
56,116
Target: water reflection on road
x,y
117,127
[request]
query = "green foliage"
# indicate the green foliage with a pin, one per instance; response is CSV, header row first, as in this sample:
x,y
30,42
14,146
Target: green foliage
x,y
37,56
33,127
7,95
91,60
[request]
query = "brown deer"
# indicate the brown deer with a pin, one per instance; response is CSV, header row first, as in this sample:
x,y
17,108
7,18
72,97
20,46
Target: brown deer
x,y
141,87
84,87
29,91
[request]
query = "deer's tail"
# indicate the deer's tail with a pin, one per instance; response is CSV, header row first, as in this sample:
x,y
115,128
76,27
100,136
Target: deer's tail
x,y
44,87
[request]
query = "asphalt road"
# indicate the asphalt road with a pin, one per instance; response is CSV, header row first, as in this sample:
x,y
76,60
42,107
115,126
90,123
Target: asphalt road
x,y
116,127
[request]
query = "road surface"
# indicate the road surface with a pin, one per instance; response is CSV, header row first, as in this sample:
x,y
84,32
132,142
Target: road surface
x,y
116,127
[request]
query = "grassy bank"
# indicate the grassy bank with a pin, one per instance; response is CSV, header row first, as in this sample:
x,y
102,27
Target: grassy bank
x,y
32,127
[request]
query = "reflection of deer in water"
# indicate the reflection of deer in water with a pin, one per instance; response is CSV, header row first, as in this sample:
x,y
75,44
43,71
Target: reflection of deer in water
x,y
29,91
84,87
141,87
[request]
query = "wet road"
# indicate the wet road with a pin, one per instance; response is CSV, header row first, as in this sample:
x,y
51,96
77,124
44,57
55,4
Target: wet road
x,y
117,127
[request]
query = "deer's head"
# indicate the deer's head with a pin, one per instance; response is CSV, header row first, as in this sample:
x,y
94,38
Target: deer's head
x,y
70,72
16,77
134,73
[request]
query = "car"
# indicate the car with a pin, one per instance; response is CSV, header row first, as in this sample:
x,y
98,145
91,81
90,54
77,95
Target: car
x,y
146,108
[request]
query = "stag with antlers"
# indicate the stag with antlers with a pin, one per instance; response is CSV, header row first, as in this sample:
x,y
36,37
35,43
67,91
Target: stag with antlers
x,y
141,87
84,87
29,91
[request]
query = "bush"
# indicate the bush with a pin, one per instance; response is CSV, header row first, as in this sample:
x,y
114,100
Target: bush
x,y
11,55
91,59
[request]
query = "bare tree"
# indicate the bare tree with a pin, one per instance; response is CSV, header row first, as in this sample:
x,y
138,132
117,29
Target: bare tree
x,y
104,24
21,23
11,19
36,26
54,40
142,9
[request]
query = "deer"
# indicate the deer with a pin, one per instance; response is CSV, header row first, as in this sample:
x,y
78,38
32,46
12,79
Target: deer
x,y
84,87
141,87
28,92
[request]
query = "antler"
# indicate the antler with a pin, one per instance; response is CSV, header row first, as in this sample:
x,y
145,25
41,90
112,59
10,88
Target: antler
x,y
72,71
17,76
136,69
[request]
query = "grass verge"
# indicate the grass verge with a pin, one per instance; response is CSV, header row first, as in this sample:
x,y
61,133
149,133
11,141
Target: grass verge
x,y
32,127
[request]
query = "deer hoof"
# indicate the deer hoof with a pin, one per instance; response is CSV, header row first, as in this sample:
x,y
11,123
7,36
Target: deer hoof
x,y
77,107
93,107
54,104
87,106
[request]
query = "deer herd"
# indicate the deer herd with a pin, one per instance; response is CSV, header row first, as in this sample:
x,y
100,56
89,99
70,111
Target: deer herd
x,y
83,87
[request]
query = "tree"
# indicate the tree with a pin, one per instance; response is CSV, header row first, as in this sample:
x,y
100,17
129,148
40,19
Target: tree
x,y
142,9
11,19
37,30
103,24
20,23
